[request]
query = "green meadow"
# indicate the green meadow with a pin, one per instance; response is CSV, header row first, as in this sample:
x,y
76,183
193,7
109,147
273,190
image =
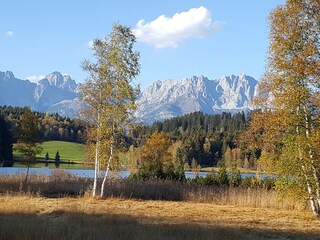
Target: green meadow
x,y
68,151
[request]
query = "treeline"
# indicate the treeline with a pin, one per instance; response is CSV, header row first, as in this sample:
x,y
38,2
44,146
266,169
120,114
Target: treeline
x,y
206,140
5,143
51,126
196,139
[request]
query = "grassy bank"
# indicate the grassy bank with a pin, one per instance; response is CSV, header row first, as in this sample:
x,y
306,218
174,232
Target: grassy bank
x,y
26,217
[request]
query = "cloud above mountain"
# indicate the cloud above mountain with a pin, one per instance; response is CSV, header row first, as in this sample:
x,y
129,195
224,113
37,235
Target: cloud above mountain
x,y
9,34
169,32
35,78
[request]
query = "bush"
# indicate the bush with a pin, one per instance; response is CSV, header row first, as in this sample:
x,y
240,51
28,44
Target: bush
x,y
145,174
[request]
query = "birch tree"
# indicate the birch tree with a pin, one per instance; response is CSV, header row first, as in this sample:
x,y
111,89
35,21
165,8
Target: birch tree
x,y
109,94
287,127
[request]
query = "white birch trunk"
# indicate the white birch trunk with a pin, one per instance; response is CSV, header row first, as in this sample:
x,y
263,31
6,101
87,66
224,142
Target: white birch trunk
x,y
313,168
304,170
96,170
96,162
107,170
310,195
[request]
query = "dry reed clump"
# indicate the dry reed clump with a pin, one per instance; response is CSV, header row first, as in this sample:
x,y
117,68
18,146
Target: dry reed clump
x,y
61,184
181,191
247,197
146,190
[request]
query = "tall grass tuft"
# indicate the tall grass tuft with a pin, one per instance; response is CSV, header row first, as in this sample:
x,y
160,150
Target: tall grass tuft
x,y
61,184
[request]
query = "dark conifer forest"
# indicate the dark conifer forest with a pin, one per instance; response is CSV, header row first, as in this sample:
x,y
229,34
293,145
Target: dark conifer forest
x,y
51,126
205,140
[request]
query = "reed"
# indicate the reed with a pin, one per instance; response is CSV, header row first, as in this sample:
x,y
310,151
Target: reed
x,y
62,184
59,184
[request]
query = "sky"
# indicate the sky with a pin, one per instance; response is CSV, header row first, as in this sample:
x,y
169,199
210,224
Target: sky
x,y
176,38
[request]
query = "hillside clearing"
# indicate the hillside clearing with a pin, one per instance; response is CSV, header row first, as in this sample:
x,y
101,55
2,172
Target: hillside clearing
x,y
69,151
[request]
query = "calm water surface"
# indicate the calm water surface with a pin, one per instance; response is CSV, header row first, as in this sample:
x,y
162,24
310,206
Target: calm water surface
x,y
89,173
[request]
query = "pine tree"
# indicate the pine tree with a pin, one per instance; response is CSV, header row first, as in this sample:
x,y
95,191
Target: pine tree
x,y
57,159
6,158
47,156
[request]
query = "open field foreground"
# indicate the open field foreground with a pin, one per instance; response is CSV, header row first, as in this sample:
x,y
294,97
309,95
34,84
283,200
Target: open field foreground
x,y
25,217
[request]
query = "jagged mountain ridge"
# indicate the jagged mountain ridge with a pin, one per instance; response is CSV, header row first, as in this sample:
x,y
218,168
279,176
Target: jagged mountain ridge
x,y
171,98
57,93
42,96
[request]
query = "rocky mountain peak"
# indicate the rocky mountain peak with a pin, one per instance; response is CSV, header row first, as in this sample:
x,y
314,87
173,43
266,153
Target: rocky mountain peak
x,y
161,100
55,78
9,75
58,80
171,98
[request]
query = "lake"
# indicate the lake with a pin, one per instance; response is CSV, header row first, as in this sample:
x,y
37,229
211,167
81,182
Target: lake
x,y
89,173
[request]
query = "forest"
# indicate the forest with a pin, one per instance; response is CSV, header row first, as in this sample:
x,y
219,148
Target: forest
x,y
205,139
202,139
51,126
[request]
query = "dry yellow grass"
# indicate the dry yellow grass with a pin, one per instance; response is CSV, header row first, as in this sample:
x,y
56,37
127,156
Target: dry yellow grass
x,y
136,219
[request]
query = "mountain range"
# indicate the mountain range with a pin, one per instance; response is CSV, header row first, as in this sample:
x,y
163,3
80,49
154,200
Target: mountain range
x,y
58,93
171,98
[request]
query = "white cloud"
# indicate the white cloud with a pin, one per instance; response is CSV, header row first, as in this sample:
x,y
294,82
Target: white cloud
x,y
9,34
169,32
35,78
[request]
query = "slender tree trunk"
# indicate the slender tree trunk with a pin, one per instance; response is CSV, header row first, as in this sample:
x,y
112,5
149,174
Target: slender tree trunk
x,y
311,199
316,178
107,170
314,171
96,162
27,175
96,170
312,202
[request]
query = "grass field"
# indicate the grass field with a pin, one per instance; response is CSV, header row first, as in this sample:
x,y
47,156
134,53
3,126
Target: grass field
x,y
68,151
25,217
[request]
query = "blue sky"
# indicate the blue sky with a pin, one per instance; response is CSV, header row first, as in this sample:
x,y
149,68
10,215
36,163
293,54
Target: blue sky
x,y
176,38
